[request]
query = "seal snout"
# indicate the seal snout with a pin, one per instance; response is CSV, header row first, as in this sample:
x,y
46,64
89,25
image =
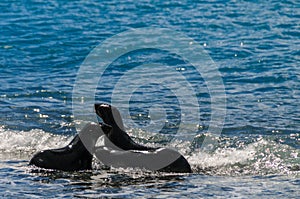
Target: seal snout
x,y
101,105
101,108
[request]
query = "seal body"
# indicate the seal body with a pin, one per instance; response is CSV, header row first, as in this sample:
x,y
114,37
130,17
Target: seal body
x,y
132,154
111,116
119,149
76,155
72,157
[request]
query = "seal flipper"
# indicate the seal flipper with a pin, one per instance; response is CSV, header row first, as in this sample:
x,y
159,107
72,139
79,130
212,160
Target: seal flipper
x,y
73,157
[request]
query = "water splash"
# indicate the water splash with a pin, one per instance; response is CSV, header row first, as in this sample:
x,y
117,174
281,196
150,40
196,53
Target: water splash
x,y
22,144
233,156
262,156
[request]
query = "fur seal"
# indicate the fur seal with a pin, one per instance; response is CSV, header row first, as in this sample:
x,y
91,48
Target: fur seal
x,y
75,156
133,154
111,116
119,149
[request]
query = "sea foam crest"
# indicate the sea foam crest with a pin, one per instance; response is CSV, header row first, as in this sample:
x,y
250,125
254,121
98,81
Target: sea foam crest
x,y
28,142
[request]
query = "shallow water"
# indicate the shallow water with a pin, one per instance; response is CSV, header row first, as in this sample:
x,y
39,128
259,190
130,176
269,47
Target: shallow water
x,y
255,46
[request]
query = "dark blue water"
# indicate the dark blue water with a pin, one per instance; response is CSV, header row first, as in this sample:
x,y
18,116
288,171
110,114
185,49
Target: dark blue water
x,y
254,45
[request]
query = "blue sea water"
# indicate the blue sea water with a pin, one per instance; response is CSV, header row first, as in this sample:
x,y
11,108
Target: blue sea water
x,y
255,46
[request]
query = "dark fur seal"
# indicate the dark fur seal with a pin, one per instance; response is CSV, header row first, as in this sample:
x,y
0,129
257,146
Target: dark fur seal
x,y
111,116
174,160
119,149
73,157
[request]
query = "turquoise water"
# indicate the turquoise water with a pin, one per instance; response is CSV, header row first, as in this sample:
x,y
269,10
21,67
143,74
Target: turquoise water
x,y
254,44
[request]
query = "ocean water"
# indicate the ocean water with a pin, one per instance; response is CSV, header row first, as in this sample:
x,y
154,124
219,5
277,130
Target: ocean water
x,y
255,46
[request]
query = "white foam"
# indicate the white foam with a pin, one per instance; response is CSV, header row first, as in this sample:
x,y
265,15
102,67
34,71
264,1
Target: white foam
x,y
222,157
13,142
260,157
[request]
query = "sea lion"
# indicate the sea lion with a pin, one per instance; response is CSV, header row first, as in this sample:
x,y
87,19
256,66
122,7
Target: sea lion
x,y
132,154
111,116
75,156
119,149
